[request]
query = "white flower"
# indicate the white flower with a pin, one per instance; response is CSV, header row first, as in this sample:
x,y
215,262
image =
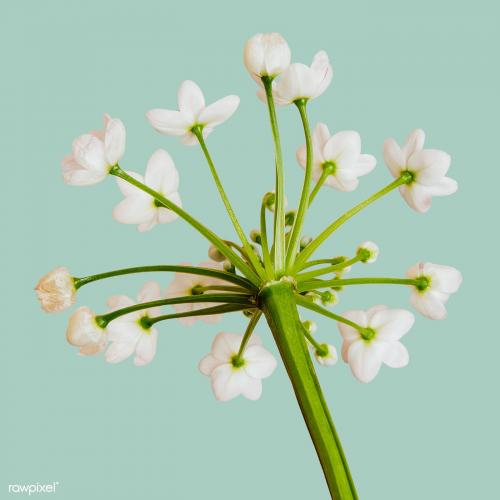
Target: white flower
x,y
228,380
438,283
56,290
190,284
266,54
128,334
379,343
428,167
329,358
299,81
192,111
339,155
84,332
94,154
368,252
141,208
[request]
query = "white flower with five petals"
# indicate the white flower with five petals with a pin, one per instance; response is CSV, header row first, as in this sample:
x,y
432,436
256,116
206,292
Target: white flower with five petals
x,y
231,378
338,156
128,334
438,283
94,154
379,343
427,166
141,208
192,111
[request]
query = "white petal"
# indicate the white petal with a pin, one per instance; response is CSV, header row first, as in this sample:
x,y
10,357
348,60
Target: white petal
x,y
227,383
88,151
76,175
252,389
161,174
443,187
428,304
298,81
119,302
259,362
418,197
324,72
365,164
445,279
392,324
128,189
219,111
430,165
374,310
150,291
343,148
414,142
169,122
147,226
302,156
190,98
342,182
208,364
119,351
135,210
125,329
330,359
394,157
396,355
320,136
226,345
365,359
114,141
146,348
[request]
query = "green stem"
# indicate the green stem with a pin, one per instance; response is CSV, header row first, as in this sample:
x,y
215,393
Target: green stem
x,y
222,288
293,243
317,187
317,346
230,277
244,300
328,269
279,213
226,308
313,246
268,265
248,333
314,284
207,233
317,262
278,303
198,132
306,303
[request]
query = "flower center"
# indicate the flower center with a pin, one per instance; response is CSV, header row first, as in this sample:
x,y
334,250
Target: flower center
x,y
323,351
197,290
145,323
237,361
158,204
422,283
329,167
408,177
368,334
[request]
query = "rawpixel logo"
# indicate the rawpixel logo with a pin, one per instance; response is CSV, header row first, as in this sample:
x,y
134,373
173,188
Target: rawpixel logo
x,y
33,489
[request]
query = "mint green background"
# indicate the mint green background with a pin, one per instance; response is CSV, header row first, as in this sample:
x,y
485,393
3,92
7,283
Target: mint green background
x,y
428,431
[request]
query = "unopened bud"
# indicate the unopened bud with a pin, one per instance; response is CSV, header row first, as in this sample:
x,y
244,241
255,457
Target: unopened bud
x,y
215,254
255,236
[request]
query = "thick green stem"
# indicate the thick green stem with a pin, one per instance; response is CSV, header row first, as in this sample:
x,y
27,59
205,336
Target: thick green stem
x,y
279,213
277,301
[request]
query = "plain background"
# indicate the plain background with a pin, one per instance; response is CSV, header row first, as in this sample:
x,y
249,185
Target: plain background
x,y
427,431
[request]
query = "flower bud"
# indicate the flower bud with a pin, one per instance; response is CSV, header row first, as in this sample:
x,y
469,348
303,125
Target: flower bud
x,y
56,290
255,236
329,297
327,356
290,217
266,54
304,241
85,332
215,254
228,266
367,252
309,326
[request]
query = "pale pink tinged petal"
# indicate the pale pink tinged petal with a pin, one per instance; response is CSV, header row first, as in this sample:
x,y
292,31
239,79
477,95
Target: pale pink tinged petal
x,y
394,157
414,142
211,319
254,340
169,122
161,174
165,216
302,156
189,139
365,359
145,350
189,320
74,174
93,349
190,98
125,329
323,69
135,210
374,310
345,349
119,351
416,270
88,151
443,187
349,334
226,345
208,364
260,363
227,383
446,279
429,165
182,308
320,136
220,110
150,291
428,304
396,355
342,182
365,164
358,316
343,148
252,389
119,302
392,324
261,94
147,226
128,189
114,141
297,81
417,197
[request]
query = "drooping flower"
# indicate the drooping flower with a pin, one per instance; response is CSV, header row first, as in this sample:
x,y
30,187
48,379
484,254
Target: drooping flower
x,y
299,81
266,54
192,111
190,284
141,208
84,332
427,166
129,333
329,355
368,251
437,283
378,343
56,290
339,156
94,154
232,377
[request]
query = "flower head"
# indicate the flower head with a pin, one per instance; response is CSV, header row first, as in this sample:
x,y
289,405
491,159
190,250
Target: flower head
x,y
56,290
141,208
192,112
190,284
129,333
327,356
85,332
428,168
299,81
94,153
231,376
378,342
437,284
368,252
266,54
338,156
